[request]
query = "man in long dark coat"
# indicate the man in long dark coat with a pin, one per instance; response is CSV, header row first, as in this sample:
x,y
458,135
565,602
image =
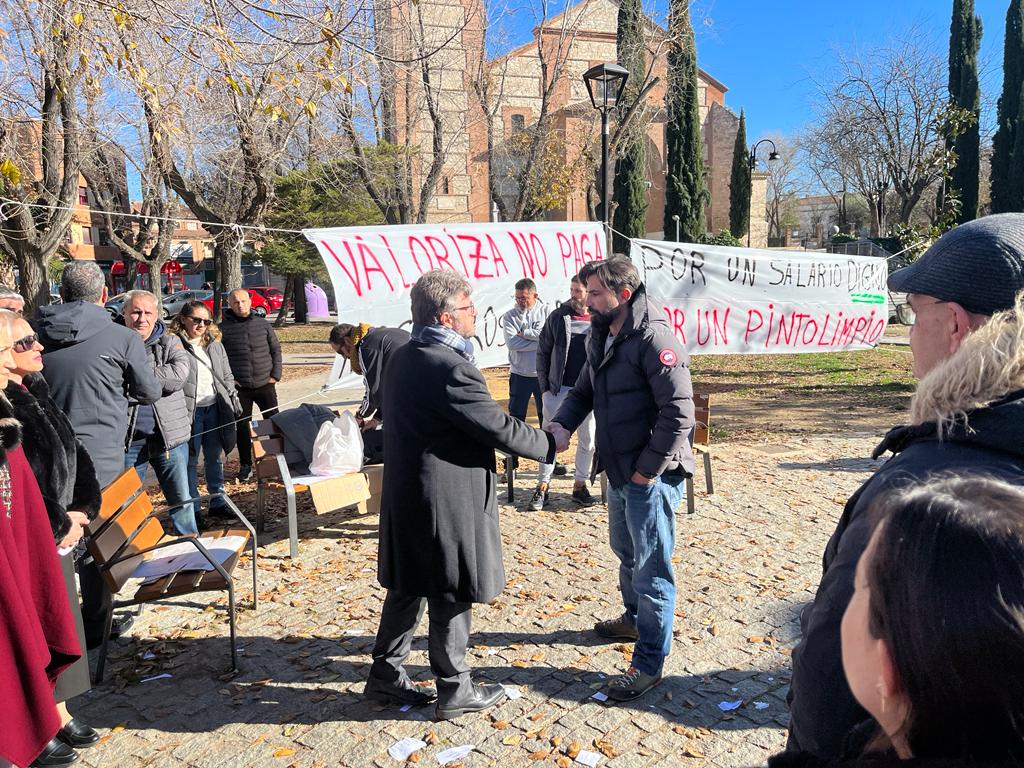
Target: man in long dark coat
x,y
440,543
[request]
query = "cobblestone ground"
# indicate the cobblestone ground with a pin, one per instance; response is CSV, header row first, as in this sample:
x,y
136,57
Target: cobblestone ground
x,y
746,563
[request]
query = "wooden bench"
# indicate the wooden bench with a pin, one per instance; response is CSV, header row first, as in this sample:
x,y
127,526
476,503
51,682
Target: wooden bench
x,y
127,533
270,466
700,442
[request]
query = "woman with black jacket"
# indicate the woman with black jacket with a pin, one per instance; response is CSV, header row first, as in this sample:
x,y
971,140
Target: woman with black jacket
x,y
211,394
71,494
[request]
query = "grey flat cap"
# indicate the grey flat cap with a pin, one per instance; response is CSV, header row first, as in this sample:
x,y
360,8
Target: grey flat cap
x,y
979,265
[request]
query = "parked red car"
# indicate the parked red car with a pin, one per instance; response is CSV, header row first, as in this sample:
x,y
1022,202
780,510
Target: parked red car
x,y
259,304
270,294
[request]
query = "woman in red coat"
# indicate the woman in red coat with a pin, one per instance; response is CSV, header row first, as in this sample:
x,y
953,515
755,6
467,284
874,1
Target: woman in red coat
x,y
37,633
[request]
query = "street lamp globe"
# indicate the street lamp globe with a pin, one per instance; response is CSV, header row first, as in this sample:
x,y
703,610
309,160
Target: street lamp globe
x,y
605,83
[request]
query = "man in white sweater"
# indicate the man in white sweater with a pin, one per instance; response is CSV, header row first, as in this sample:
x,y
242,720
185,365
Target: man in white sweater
x,y
522,326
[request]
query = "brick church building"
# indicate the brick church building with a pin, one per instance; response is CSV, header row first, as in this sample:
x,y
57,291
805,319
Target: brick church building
x,y
583,35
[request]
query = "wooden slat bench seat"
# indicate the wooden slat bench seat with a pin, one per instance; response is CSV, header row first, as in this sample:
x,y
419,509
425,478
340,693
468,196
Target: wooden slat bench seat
x,y
127,532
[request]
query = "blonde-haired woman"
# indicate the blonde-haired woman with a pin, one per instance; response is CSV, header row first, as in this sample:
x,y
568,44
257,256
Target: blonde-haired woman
x,y
38,640
211,394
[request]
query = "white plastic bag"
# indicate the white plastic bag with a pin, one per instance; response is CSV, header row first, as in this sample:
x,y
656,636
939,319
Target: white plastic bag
x,y
338,448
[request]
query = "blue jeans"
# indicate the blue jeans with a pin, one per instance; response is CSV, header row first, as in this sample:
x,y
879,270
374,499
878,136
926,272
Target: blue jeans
x,y
642,534
206,436
171,473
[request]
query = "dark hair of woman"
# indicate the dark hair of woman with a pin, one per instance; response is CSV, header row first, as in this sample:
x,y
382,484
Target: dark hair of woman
x,y
947,597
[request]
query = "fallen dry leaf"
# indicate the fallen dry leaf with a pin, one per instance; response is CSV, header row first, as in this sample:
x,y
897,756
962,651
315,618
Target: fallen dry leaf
x,y
512,740
563,762
574,749
284,752
500,725
540,754
692,751
431,737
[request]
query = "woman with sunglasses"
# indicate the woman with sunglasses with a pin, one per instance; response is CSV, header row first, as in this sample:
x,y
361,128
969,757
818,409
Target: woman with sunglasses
x,y
39,644
210,388
70,492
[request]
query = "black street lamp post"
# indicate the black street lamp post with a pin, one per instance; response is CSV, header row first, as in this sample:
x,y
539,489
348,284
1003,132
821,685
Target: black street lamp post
x,y
605,83
773,155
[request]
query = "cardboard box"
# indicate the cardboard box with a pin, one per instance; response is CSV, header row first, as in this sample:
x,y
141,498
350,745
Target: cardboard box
x,y
333,493
375,481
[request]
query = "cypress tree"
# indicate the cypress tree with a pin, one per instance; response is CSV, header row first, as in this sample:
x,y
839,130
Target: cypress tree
x,y
739,183
1008,143
685,192
629,189
964,40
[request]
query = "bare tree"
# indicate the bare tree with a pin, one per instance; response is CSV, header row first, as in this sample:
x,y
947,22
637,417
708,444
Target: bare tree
x,y
881,125
39,137
221,99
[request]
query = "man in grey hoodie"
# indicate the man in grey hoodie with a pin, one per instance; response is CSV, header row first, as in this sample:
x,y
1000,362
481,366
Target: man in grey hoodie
x,y
522,326
93,366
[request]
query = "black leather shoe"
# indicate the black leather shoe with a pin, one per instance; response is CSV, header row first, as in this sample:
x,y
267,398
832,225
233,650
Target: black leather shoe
x,y
77,734
402,692
120,626
55,753
480,697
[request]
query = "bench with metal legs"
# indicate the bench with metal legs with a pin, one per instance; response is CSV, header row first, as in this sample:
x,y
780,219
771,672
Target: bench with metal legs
x,y
127,531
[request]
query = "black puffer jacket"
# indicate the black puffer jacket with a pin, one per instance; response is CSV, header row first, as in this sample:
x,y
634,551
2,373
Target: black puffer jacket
x,y
985,423
253,349
60,463
641,396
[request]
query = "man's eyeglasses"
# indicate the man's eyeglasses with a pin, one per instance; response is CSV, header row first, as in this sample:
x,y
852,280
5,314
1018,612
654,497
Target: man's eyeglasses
x,y
24,345
471,308
907,315
199,320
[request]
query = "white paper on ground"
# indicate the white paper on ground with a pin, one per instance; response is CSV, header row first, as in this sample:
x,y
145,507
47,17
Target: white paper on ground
x,y
512,692
401,750
156,677
589,759
185,557
760,705
455,753
729,706
600,696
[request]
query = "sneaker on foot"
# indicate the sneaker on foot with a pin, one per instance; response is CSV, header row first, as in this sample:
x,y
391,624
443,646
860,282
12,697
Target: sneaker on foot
x,y
619,628
539,499
244,473
582,495
632,685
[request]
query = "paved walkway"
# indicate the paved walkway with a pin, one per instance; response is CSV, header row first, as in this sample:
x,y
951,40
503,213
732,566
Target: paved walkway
x,y
746,563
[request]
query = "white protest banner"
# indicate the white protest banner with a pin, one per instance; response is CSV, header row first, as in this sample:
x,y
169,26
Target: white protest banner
x,y
373,268
721,300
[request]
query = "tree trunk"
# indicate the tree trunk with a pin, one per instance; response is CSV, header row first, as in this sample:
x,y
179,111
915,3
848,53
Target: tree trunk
x,y
35,282
289,290
227,254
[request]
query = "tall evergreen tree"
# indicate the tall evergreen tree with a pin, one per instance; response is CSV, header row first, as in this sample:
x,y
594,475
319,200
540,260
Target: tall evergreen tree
x,y
739,183
629,189
1008,143
964,40
685,191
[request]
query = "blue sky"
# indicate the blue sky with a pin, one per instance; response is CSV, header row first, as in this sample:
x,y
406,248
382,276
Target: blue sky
x,y
768,53
768,60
